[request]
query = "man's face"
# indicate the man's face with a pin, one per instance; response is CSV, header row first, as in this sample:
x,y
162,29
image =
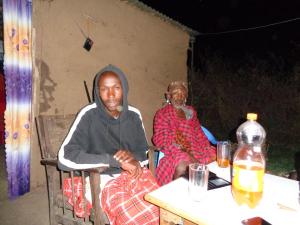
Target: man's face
x,y
111,92
178,96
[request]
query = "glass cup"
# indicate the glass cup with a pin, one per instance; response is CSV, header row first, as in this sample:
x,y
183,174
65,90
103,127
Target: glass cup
x,y
198,180
223,153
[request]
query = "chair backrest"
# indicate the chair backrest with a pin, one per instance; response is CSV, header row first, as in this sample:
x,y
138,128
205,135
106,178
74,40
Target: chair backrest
x,y
52,129
209,135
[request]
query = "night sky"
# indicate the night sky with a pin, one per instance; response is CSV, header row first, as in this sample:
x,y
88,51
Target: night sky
x,y
215,15
210,16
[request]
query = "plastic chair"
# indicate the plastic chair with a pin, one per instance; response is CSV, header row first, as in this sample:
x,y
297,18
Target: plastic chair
x,y
209,135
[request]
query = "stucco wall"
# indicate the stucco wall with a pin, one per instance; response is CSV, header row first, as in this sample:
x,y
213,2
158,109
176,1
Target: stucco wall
x,y
149,50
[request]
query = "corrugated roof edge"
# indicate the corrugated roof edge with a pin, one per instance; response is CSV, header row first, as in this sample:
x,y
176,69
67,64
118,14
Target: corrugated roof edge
x,y
149,9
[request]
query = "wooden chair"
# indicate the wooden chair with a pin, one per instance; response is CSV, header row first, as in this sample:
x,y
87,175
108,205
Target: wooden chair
x,y
52,129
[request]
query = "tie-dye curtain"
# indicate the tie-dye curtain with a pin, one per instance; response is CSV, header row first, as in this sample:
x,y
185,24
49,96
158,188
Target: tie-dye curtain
x,y
18,78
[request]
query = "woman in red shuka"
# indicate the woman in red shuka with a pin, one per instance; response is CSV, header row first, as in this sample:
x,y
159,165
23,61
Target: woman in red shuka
x,y
178,134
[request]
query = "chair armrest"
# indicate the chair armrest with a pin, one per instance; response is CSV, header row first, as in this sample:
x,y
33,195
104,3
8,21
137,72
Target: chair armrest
x,y
54,162
50,162
96,170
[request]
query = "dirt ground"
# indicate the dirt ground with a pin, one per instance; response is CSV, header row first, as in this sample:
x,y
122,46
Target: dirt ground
x,y
29,209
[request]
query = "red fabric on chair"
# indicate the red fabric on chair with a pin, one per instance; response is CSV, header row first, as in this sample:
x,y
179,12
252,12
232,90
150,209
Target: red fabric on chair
x,y
78,206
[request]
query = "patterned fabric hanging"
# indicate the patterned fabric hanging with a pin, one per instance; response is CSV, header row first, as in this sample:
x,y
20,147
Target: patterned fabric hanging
x,y
18,77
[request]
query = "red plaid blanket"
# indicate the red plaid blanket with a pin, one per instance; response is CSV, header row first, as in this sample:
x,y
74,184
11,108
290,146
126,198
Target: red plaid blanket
x,y
123,200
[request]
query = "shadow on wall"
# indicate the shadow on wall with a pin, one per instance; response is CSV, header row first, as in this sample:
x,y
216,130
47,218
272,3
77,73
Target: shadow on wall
x,y
47,87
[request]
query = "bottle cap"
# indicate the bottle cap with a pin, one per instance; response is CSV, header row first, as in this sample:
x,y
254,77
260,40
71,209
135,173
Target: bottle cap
x,y
251,116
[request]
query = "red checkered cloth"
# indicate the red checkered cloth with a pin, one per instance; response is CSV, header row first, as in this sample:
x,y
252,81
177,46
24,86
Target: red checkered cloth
x,y
122,200
78,195
166,127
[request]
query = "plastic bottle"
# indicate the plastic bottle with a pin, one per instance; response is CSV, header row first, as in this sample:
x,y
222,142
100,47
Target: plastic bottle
x,y
249,163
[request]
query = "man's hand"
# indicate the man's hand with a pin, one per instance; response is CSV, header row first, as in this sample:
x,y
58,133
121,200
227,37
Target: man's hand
x,y
129,163
124,156
133,168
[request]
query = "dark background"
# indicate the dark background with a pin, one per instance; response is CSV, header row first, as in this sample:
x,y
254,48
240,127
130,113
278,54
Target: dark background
x,y
246,59
244,40
214,16
262,38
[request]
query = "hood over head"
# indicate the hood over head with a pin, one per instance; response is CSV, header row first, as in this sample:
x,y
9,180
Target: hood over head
x,y
97,99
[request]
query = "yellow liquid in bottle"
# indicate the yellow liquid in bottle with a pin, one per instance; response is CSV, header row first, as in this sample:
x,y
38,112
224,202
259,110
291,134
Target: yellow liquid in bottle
x,y
247,183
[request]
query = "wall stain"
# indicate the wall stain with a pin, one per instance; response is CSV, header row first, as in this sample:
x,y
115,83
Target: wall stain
x,y
47,87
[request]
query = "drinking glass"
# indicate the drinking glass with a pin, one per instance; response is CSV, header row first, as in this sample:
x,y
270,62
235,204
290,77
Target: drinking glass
x,y
198,180
223,153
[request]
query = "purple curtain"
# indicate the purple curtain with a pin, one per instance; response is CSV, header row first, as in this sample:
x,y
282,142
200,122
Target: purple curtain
x,y
18,77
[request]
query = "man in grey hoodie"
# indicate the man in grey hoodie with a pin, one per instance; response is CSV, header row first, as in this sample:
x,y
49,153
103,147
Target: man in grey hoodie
x,y
110,133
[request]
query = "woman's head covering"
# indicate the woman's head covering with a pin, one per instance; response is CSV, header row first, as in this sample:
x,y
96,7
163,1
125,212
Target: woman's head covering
x,y
182,85
177,84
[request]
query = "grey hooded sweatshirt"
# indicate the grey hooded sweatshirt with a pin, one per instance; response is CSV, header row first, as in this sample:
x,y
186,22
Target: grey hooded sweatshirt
x,y
95,136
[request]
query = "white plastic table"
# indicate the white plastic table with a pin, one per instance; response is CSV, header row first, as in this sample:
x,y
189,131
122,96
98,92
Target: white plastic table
x,y
278,206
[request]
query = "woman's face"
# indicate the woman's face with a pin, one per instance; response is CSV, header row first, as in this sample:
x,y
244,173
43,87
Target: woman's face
x,y
178,96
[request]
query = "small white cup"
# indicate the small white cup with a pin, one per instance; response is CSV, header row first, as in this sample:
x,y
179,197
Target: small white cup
x,y
198,180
